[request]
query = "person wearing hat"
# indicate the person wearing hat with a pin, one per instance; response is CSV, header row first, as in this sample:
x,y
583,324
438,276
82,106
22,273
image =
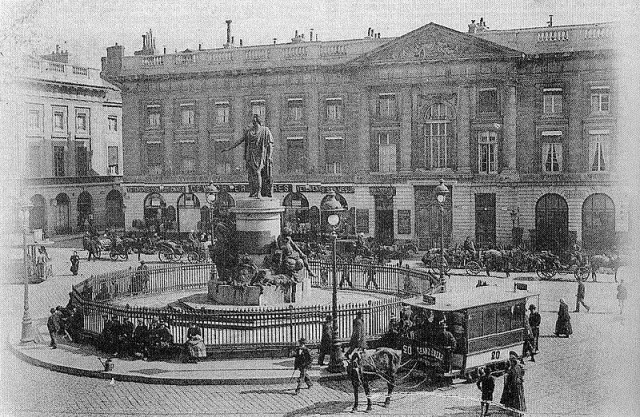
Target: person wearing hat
x,y
302,362
513,392
141,339
563,323
53,325
534,322
327,339
357,340
196,348
486,384
142,278
447,341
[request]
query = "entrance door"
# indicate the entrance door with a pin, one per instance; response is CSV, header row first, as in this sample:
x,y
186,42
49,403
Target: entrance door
x,y
384,219
598,223
486,220
428,217
37,216
552,224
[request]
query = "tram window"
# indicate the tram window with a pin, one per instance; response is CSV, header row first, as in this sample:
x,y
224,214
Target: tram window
x,y
504,319
517,319
475,324
489,321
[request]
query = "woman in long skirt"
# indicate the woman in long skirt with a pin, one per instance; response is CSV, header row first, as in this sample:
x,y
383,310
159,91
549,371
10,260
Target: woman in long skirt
x,y
563,323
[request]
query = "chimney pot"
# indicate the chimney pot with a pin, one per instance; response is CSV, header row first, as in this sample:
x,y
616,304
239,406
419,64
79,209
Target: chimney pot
x,y
164,50
199,47
240,42
274,40
296,35
228,22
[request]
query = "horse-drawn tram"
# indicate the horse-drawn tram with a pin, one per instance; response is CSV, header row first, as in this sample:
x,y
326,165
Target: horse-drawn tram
x,y
455,333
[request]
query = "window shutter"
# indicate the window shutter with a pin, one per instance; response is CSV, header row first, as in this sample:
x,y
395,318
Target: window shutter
x,y
426,150
396,142
375,153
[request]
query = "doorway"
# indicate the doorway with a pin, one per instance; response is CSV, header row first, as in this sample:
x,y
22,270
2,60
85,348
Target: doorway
x,y
384,219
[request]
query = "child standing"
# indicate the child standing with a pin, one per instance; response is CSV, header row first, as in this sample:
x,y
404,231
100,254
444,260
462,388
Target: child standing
x,y
302,362
486,383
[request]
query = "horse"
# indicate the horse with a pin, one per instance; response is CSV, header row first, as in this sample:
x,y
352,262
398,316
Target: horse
x,y
365,366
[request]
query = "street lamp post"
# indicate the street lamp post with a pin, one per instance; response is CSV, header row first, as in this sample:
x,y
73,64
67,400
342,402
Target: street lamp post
x,y
212,192
441,196
333,207
27,325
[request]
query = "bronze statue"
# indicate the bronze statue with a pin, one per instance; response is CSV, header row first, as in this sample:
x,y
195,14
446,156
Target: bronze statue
x,y
258,148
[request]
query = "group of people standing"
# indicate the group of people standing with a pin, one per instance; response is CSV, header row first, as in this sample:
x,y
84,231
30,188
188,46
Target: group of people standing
x,y
66,322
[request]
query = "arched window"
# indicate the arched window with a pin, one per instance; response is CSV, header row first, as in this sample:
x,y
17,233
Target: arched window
x,y
85,208
188,200
154,206
552,224
63,208
438,136
296,214
598,222
188,212
115,211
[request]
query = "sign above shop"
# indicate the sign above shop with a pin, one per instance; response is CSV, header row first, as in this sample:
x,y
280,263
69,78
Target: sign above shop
x,y
240,188
382,190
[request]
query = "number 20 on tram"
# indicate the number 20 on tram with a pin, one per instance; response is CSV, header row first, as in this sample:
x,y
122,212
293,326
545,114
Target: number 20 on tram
x,y
486,322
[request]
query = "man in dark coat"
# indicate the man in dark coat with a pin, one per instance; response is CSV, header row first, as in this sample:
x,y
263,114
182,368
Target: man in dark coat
x,y
622,294
534,322
486,384
126,337
75,263
302,362
447,341
580,297
357,340
326,342
513,392
141,339
563,323
53,325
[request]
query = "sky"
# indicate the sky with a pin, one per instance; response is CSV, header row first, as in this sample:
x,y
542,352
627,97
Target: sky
x,y
87,27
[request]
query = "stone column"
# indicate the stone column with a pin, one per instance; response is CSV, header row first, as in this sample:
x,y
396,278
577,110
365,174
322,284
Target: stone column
x,y
313,118
404,147
464,141
509,131
364,134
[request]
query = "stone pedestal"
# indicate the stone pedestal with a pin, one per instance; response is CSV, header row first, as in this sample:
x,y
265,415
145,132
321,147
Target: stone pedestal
x,y
250,296
257,226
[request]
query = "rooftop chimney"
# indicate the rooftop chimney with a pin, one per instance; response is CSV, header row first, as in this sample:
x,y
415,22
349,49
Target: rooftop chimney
x,y
59,55
229,42
199,47
274,40
550,22
310,35
472,26
240,42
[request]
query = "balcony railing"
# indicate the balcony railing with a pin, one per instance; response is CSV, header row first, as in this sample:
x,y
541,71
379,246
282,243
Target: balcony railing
x,y
553,36
74,180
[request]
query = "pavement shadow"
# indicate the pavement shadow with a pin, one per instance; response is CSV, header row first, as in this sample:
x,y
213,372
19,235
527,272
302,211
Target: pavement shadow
x,y
283,391
325,408
472,410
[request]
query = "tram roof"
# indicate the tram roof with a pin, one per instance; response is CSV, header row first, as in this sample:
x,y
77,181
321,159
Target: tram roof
x,y
473,297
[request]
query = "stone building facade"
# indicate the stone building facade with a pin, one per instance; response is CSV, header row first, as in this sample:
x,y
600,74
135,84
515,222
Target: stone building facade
x,y
521,125
65,145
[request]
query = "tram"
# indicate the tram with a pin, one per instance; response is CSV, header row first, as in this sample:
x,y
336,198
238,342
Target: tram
x,y
486,322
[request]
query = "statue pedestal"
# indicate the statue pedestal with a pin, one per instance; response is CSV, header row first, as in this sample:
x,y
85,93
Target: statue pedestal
x,y
250,296
257,226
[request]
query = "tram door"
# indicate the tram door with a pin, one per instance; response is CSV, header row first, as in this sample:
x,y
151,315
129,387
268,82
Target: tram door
x,y
552,224
384,219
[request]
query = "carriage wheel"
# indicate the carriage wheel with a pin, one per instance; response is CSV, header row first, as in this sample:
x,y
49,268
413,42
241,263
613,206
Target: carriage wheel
x,y
473,268
165,255
582,273
113,255
193,257
124,255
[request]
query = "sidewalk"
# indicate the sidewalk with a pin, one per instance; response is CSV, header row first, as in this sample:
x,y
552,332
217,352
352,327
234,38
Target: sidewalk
x,y
82,360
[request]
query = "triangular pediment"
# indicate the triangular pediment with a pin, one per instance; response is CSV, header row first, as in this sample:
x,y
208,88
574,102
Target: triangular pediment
x,y
434,42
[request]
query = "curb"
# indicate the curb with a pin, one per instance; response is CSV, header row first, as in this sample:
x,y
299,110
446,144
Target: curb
x,y
155,380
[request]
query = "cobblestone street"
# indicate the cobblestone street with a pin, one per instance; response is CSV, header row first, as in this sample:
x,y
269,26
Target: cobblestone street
x,y
591,373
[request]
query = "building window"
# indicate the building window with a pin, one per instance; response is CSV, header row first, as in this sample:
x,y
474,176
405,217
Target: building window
x,y
82,161
34,120
259,107
222,160
437,132
154,158
296,157
188,165
600,97
598,147
334,109
387,161
386,106
296,108
153,115
113,123
58,161
112,158
487,152
82,122
223,111
58,121
552,157
334,152
488,100
187,114
552,100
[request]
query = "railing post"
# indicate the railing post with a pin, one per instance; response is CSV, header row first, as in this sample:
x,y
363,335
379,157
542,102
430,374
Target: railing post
x,y
292,339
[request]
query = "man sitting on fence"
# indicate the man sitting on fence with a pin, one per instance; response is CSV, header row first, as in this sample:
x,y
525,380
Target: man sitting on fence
x,y
161,341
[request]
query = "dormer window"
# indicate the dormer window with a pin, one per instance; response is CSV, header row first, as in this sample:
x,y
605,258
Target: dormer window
x,y
600,98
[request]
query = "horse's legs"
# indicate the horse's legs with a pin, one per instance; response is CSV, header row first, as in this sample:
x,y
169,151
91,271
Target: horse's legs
x,y
367,392
391,381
